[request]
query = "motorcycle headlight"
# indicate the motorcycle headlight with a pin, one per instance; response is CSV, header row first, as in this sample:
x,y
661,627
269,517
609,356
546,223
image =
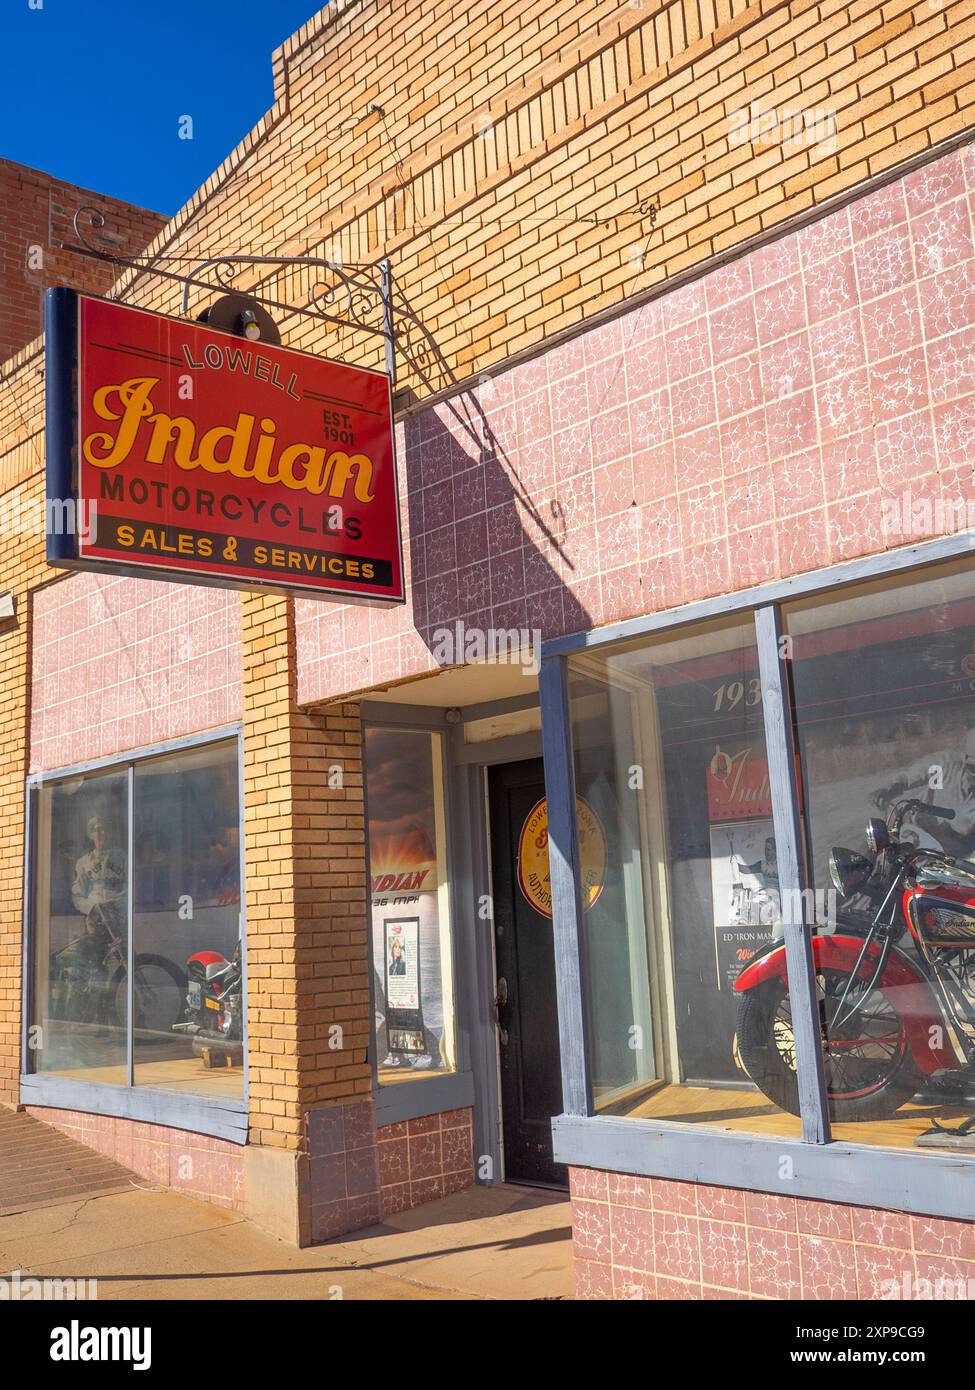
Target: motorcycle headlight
x,y
849,871
878,836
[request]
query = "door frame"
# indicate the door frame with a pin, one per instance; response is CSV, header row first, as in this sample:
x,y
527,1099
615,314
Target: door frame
x,y
469,778
477,1080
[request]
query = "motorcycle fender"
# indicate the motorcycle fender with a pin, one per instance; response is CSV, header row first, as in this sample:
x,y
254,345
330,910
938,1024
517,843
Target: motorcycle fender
x,y
206,958
902,982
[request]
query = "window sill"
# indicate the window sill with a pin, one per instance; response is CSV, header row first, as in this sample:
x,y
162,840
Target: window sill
x,y
425,1095
928,1183
221,1119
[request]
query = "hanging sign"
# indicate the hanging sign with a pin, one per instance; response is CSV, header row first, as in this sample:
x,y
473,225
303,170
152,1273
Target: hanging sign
x,y
534,878
186,453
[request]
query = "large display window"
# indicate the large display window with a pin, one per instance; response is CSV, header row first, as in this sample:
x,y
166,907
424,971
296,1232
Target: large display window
x,y
696,1009
414,1034
884,681
137,973
669,752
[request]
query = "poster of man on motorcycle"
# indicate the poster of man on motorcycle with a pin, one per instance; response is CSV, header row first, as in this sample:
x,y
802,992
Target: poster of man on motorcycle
x,y
946,777
100,883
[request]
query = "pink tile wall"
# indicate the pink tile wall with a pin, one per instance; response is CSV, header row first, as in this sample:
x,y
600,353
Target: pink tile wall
x,y
212,1170
657,1239
425,1159
122,663
741,429
360,1173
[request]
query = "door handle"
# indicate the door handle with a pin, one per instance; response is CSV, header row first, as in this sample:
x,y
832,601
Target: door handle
x,y
500,1000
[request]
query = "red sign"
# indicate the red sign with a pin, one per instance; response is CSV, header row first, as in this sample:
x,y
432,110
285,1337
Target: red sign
x,y
200,454
738,786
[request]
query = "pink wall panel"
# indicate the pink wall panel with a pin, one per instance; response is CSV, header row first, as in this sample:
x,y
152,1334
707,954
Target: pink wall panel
x,y
121,663
742,428
651,1238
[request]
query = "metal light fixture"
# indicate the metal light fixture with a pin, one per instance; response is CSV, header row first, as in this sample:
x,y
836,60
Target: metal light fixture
x,y
250,326
243,316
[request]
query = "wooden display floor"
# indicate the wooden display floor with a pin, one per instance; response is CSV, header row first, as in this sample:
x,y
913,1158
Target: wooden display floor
x,y
749,1112
186,1075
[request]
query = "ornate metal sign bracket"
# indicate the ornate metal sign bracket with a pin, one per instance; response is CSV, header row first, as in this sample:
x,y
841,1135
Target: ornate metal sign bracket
x,y
363,294
359,289
355,296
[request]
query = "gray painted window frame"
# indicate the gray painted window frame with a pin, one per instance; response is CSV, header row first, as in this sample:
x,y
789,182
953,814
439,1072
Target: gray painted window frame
x,y
221,1119
476,1083
815,1166
426,1094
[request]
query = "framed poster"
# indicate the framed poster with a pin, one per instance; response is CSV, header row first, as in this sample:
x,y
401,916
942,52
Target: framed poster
x,y
404,1015
744,873
744,893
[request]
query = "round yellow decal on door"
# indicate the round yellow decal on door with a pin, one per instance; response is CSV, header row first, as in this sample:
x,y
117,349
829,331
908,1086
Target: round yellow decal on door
x,y
534,878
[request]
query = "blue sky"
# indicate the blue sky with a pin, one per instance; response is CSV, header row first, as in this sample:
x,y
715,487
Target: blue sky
x,y
93,90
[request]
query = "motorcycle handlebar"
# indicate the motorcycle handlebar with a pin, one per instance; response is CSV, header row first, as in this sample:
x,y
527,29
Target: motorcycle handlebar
x,y
902,810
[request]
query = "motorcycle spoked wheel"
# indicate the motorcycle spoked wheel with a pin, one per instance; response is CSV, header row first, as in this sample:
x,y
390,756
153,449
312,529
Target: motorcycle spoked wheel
x,y
159,989
868,1066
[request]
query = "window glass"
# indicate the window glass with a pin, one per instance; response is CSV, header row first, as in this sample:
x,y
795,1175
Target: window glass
x,y
411,951
80,941
672,780
884,679
187,995
184,998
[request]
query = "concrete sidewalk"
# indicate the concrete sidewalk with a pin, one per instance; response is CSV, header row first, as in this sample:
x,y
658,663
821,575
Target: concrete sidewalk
x,y
487,1243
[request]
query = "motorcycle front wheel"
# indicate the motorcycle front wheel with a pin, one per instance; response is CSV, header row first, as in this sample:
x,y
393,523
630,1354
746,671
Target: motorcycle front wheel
x,y
866,1059
158,993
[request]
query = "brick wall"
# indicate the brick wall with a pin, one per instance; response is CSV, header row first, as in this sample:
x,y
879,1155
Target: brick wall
x,y
22,568
507,162
198,1165
651,1238
307,949
359,1173
38,212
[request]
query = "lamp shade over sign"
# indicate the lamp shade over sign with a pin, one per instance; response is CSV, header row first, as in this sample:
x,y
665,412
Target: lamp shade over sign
x,y
238,313
186,452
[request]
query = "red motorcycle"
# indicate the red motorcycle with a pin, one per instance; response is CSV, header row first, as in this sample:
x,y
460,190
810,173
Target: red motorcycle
x,y
213,1010
896,981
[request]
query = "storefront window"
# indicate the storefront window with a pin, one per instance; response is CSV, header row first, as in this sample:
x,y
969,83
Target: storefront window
x,y
411,947
678,867
81,931
187,917
884,679
184,997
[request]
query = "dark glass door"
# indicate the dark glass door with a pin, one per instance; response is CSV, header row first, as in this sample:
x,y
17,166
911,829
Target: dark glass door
x,y
531,1081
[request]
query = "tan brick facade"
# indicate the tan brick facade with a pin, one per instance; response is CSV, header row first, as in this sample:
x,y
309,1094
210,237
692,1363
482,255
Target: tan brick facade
x,y
524,168
511,187
307,953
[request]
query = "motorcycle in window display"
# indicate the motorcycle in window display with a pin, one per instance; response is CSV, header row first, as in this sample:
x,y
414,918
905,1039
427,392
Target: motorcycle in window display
x,y
895,980
89,979
213,1013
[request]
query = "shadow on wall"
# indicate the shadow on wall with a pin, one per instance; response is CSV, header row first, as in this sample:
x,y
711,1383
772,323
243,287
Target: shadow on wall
x,y
488,524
